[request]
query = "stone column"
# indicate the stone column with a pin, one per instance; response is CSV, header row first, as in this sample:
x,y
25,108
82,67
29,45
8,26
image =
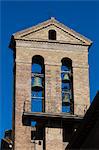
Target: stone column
x,y
53,88
53,104
81,89
22,93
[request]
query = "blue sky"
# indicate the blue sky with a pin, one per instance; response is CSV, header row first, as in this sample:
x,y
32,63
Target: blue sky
x,y
81,16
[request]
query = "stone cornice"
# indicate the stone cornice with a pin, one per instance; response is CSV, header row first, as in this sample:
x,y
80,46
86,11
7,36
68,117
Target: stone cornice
x,y
29,63
23,62
53,45
52,64
80,66
51,41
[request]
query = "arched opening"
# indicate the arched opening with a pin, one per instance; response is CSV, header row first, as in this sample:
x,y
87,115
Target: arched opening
x,y
37,96
67,85
52,34
37,84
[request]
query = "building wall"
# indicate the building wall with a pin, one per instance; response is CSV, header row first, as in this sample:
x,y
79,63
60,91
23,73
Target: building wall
x,y
23,82
52,60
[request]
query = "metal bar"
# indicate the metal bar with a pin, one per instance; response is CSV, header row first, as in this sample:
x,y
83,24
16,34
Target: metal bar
x,y
37,75
66,71
66,92
34,97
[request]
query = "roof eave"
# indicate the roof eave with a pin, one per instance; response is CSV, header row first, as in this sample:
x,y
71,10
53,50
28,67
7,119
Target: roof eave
x,y
54,21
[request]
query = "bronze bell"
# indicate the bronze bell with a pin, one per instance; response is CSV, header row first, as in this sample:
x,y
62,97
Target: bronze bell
x,y
66,99
66,77
37,84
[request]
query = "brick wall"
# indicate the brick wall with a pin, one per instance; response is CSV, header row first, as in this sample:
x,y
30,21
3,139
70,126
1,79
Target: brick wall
x,y
52,53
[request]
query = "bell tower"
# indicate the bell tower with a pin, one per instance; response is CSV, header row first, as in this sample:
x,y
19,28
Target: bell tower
x,y
51,85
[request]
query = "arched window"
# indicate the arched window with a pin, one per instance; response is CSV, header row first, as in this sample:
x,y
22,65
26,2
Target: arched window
x,y
67,85
37,84
52,34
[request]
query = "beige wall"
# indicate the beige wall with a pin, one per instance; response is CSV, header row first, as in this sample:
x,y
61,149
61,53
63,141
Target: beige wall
x,y
52,59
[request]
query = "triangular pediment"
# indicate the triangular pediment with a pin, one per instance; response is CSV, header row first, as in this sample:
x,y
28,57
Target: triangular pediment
x,y
63,33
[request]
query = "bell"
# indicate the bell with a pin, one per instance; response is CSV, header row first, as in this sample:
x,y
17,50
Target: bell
x,y
66,77
37,84
66,99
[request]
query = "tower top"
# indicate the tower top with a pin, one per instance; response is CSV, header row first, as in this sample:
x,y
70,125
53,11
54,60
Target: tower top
x,y
52,23
40,33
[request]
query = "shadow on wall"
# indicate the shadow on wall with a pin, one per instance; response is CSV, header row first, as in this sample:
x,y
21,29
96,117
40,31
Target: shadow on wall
x,y
87,135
